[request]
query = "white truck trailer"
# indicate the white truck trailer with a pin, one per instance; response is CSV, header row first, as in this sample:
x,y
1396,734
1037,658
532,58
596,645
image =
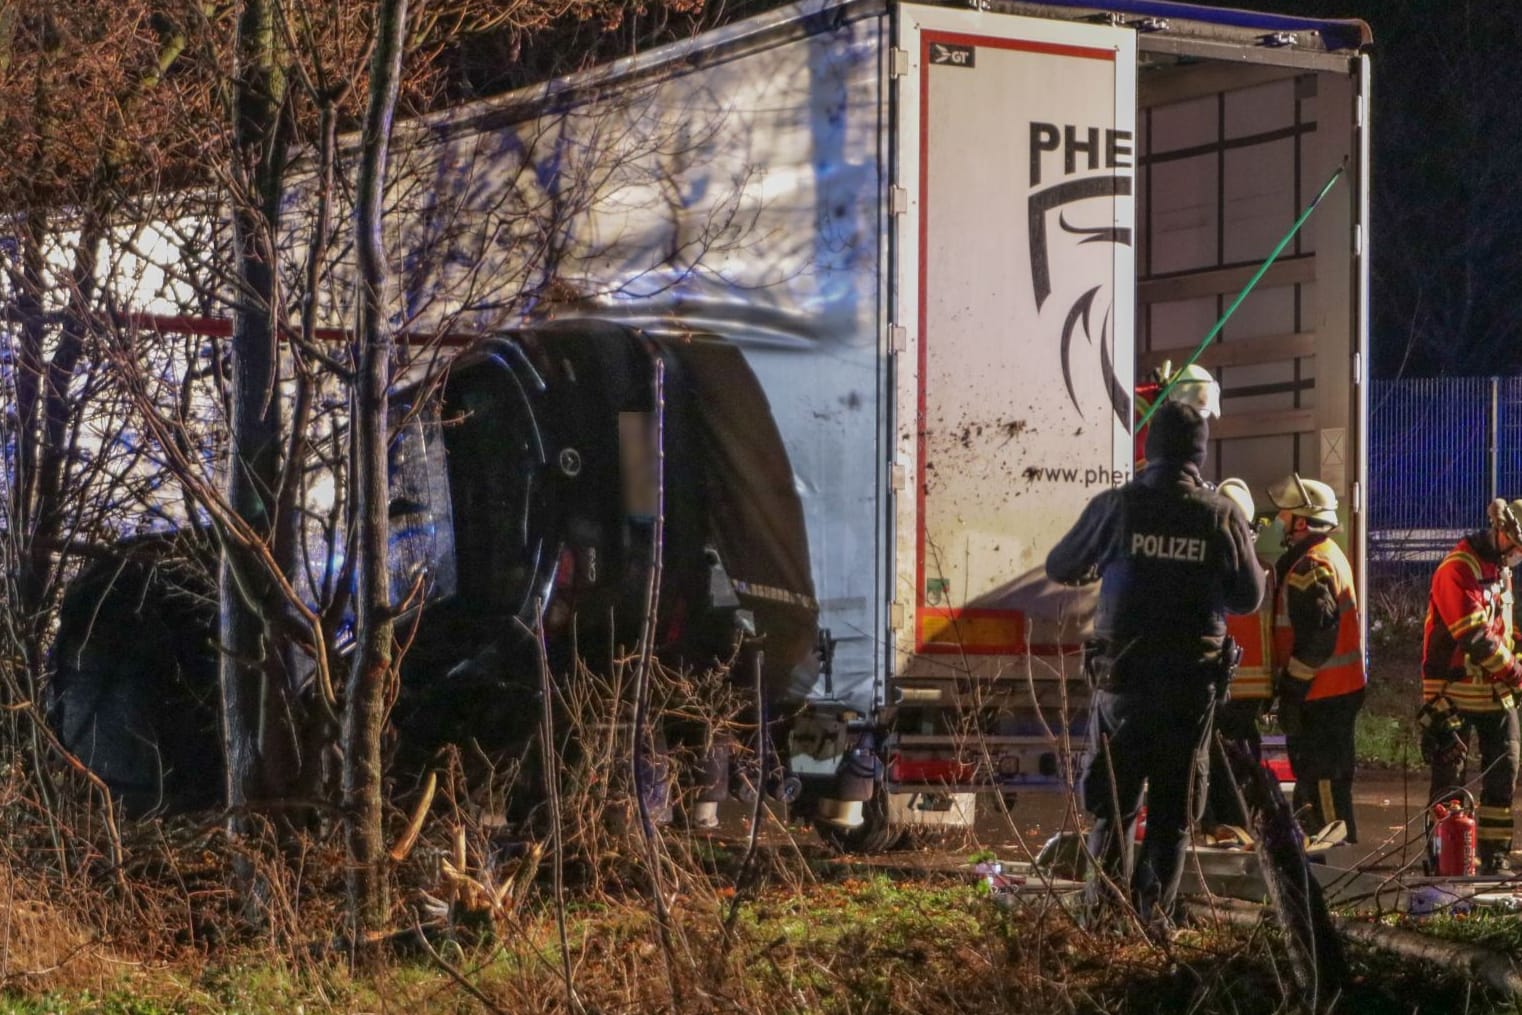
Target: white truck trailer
x,y
948,241
967,233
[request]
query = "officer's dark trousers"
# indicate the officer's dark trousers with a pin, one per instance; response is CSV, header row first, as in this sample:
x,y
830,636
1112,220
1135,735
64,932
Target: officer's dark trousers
x,y
1151,736
1324,759
1237,720
1497,733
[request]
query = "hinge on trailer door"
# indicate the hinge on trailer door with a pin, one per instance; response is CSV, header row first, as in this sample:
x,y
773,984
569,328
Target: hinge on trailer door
x,y
1358,240
898,63
898,200
1357,369
896,615
1358,112
1357,497
898,337
898,477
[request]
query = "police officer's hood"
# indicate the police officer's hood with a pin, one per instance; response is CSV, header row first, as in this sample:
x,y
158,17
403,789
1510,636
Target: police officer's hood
x,y
1178,436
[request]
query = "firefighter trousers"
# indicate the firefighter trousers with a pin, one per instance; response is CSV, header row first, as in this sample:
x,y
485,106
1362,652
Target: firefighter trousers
x,y
1324,759
1500,747
1153,739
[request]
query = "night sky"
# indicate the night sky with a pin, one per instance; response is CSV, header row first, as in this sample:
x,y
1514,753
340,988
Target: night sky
x,y
1446,201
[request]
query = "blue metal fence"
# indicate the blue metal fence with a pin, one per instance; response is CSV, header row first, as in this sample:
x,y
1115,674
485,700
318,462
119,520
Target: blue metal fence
x,y
1440,449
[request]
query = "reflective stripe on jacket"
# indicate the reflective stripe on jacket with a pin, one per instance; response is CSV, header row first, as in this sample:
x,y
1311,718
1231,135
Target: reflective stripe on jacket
x,y
1254,680
1467,642
1321,571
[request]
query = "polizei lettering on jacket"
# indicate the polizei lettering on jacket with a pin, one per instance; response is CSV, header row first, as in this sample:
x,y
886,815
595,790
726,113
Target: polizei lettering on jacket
x,y
1147,544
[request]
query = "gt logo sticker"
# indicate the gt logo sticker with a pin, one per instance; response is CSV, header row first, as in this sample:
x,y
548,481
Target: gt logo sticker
x,y
942,54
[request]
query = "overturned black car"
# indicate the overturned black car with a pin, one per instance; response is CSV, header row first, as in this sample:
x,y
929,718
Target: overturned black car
x,y
560,470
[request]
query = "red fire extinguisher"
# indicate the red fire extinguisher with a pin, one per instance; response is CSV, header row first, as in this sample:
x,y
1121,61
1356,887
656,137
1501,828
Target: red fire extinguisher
x,y
1452,835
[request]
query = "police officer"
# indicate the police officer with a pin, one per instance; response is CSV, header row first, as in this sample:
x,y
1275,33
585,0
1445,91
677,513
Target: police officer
x,y
1470,674
1318,653
1172,557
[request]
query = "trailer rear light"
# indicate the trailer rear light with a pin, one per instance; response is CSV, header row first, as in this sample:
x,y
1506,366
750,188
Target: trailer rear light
x,y
1280,767
946,771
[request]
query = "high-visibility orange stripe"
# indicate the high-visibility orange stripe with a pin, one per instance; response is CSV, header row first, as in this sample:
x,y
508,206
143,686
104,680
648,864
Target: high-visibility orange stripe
x,y
1344,672
1256,684
982,632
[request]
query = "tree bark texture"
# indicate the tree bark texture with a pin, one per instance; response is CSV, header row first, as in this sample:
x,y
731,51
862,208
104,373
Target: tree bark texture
x,y
259,740
374,663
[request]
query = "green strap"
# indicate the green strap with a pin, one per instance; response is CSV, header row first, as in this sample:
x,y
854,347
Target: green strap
x,y
1262,270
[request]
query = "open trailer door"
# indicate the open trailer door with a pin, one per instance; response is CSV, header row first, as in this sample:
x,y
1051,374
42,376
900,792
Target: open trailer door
x,y
1015,289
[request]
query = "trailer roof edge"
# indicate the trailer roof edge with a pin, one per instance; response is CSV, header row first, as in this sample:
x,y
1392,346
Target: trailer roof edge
x,y
794,21
1333,34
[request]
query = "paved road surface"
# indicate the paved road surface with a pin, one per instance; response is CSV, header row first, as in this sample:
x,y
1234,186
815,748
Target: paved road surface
x,y
1389,811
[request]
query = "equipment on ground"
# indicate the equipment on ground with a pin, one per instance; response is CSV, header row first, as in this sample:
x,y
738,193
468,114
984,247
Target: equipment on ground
x,y
1452,835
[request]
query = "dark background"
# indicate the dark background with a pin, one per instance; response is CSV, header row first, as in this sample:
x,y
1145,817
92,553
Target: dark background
x,y
1446,199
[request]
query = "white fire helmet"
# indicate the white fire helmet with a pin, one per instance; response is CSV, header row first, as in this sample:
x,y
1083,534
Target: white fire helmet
x,y
1237,491
1305,498
1194,385
1507,517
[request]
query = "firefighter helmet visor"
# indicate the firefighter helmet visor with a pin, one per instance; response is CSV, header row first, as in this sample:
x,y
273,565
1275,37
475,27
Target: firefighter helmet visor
x,y
1310,499
1194,385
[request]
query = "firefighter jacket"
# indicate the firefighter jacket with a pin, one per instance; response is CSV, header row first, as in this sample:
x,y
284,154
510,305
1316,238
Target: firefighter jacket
x,y
1172,556
1318,637
1467,644
1254,680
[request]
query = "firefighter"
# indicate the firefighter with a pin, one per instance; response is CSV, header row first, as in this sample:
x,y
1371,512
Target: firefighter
x,y
1172,557
1318,653
1192,385
1236,718
1470,675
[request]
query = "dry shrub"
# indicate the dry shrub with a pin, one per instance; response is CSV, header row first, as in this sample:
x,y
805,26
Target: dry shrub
x,y
623,917
43,945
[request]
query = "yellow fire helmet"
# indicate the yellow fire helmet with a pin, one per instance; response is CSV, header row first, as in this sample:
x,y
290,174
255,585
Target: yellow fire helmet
x,y
1237,491
1305,498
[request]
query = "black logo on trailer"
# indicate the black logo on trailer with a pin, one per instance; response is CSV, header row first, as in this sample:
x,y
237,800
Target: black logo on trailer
x,y
1058,198
946,55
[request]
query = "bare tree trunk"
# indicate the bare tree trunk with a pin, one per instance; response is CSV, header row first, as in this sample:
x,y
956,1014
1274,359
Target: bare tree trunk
x,y
374,663
22,509
258,738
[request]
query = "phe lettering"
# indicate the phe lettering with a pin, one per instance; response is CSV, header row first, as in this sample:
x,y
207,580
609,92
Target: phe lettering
x,y
1159,547
1094,147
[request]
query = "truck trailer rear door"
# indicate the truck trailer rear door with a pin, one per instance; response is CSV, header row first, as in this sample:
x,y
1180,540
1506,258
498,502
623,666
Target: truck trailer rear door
x,y
1015,294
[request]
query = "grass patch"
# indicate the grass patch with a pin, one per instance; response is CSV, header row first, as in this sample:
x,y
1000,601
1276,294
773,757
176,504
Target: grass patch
x,y
1389,741
862,943
1486,928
